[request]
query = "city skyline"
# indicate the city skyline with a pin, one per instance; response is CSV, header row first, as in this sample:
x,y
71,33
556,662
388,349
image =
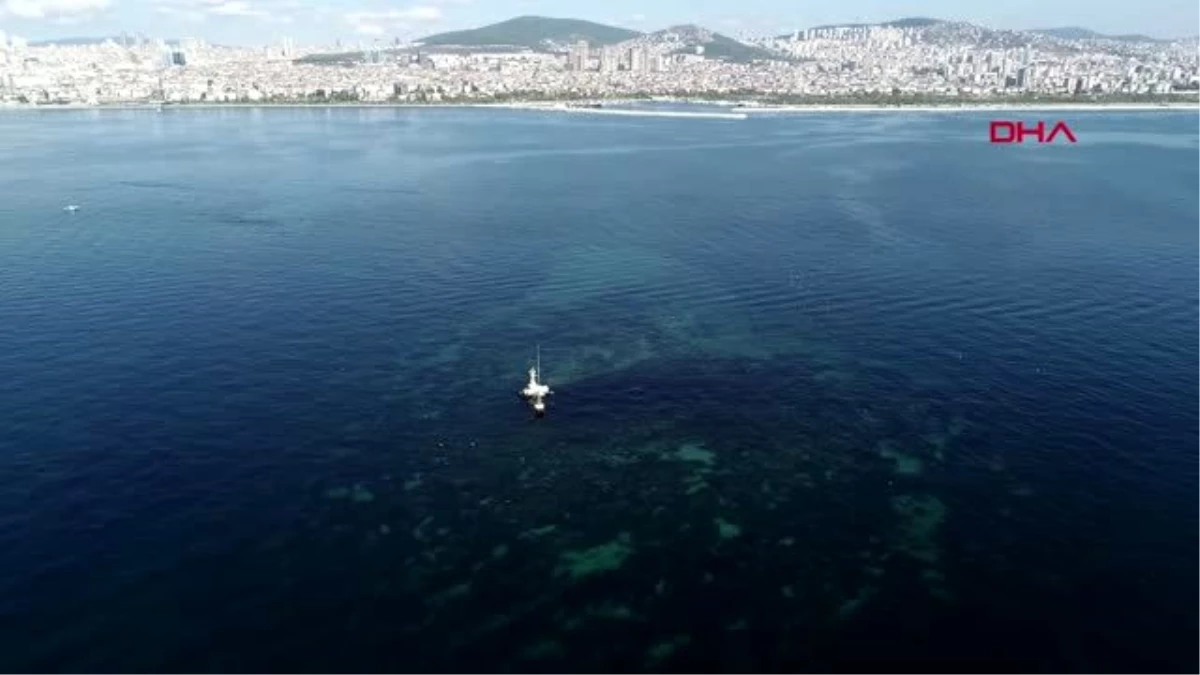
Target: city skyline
x,y
252,22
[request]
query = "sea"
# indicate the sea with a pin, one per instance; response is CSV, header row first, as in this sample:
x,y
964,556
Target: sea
x,y
831,392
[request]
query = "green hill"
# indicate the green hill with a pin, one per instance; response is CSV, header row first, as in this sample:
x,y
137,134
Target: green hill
x,y
716,46
728,49
533,32
1077,33
912,22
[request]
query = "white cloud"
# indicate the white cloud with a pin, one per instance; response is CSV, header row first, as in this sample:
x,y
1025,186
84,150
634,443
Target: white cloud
x,y
379,22
638,18
419,13
189,15
52,9
234,8
198,10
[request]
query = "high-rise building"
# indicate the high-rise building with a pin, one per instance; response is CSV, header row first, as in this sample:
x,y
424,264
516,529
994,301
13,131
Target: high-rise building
x,y
374,55
639,61
610,59
194,50
579,57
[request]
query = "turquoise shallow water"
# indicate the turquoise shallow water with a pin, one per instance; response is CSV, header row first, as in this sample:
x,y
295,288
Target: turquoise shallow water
x,y
834,392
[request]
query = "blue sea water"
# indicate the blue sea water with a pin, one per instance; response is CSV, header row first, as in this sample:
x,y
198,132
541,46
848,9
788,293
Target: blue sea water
x,y
833,392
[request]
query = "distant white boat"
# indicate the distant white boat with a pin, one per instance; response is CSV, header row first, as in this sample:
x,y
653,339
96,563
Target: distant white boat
x,y
71,207
535,392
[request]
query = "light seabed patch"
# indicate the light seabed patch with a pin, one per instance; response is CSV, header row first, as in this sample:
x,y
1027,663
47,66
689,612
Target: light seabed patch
x,y
607,557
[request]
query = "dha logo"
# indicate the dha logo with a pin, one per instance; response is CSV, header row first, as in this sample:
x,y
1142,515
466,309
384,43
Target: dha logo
x,y
1016,132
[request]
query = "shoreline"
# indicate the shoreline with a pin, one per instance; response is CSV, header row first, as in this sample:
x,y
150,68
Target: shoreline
x,y
979,107
217,106
732,110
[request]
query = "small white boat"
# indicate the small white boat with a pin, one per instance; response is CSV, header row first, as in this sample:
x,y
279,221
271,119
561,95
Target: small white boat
x,y
71,208
535,392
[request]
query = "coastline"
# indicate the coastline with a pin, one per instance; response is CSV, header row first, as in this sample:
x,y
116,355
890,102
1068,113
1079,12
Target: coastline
x,y
979,107
734,111
217,106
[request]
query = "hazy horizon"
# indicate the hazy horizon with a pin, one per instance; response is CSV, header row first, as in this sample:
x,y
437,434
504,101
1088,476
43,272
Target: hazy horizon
x,y
255,22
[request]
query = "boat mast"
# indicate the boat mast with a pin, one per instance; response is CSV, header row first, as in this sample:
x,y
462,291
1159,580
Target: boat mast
x,y
539,360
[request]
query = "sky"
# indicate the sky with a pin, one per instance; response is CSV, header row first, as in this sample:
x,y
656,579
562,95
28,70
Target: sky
x,y
257,22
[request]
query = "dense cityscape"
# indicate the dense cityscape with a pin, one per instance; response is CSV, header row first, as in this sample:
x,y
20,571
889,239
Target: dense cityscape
x,y
914,59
